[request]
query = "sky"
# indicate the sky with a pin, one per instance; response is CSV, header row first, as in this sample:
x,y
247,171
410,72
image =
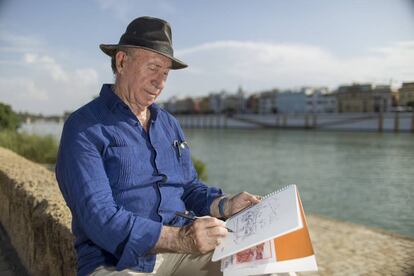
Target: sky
x,y
50,61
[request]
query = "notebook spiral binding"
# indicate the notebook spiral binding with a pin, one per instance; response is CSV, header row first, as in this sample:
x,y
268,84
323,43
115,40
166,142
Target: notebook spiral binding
x,y
263,198
277,191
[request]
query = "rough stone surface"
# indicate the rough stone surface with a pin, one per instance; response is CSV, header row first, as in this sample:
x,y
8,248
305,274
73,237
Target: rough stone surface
x,y
36,219
9,261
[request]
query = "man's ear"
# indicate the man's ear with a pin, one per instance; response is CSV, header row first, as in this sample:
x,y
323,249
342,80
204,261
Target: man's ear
x,y
120,61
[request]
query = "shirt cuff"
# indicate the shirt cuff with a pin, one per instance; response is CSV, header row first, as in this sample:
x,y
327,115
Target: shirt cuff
x,y
143,237
212,194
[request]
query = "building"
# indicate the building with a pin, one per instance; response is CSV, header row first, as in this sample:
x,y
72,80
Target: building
x,y
180,106
170,104
216,101
252,103
382,98
204,105
291,102
319,100
406,94
235,103
267,102
364,98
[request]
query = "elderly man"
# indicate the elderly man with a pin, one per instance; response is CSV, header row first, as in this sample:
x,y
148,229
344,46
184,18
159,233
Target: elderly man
x,y
124,169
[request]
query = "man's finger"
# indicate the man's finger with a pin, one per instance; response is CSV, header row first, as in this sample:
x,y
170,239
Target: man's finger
x,y
256,199
217,231
207,222
249,198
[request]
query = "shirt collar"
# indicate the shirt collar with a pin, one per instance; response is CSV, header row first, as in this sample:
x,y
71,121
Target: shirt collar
x,y
109,97
154,109
111,100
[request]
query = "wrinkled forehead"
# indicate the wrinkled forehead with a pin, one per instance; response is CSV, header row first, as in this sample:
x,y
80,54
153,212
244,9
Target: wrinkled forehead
x,y
150,56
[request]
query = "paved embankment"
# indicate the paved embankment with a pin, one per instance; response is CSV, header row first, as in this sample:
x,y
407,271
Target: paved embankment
x,y
344,248
37,221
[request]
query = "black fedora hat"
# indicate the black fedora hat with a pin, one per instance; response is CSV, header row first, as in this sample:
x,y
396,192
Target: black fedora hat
x,y
148,33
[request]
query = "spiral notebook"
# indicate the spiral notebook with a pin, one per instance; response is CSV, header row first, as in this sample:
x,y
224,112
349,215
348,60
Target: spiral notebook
x,y
277,214
291,252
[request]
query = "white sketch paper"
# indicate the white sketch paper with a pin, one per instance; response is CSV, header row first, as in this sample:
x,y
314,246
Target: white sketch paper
x,y
274,216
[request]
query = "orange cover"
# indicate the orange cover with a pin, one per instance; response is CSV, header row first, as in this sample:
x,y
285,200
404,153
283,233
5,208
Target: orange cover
x,y
296,244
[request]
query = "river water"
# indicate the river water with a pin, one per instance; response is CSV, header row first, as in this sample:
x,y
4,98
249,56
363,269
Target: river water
x,y
365,178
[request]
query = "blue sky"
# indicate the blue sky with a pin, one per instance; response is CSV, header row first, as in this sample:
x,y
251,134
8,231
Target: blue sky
x,y
50,60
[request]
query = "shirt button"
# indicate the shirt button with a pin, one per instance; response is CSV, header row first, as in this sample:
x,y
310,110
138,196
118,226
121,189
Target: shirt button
x,y
164,178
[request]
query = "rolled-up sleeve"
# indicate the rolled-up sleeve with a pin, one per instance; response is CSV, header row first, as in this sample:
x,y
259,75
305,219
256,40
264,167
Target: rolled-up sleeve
x,y
85,186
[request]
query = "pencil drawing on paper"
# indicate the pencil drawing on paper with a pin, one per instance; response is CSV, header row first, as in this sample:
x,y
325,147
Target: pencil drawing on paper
x,y
255,219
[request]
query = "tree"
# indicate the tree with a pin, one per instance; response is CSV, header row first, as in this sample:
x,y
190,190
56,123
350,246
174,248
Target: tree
x,y
200,168
9,120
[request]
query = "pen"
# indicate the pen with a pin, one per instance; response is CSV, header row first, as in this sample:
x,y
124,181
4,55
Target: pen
x,y
190,217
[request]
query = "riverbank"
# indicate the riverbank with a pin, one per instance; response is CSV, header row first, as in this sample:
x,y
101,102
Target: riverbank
x,y
37,221
344,248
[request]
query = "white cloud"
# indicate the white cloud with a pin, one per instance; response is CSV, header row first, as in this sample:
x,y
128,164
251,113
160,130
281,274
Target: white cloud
x,y
48,64
37,82
22,93
86,76
258,65
48,87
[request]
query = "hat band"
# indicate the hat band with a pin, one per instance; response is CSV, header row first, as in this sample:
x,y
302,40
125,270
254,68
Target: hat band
x,y
159,46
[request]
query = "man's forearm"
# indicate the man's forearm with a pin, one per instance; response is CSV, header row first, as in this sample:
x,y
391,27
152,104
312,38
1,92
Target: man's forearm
x,y
174,239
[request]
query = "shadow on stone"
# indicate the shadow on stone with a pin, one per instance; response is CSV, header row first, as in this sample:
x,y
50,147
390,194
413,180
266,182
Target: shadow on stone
x,y
9,261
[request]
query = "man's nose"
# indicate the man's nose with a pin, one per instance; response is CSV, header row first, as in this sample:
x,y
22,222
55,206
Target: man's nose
x,y
159,81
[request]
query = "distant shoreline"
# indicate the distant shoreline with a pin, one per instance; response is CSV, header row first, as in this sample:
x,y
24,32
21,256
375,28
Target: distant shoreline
x,y
371,122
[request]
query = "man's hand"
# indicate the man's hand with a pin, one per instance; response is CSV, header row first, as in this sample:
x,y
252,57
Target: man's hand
x,y
239,202
202,236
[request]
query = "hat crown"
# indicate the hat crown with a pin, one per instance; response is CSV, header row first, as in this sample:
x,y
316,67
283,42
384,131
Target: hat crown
x,y
150,28
150,33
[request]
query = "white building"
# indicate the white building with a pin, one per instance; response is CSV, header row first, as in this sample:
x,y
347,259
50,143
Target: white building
x,y
291,102
320,101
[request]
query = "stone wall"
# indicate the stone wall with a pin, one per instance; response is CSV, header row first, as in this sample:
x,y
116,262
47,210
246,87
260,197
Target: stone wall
x,y
35,216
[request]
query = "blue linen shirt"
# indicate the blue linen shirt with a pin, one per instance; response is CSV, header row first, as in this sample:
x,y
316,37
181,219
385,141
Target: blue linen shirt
x,y
122,183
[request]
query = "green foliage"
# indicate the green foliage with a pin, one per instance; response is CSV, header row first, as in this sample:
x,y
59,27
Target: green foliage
x,y
9,120
201,169
41,149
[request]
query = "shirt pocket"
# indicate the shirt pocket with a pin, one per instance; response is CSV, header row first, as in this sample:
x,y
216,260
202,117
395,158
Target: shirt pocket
x,y
184,160
124,165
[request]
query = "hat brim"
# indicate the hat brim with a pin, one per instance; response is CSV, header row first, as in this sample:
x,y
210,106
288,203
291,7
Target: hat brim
x,y
110,50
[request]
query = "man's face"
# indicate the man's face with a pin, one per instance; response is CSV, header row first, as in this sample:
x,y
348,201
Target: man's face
x,y
142,75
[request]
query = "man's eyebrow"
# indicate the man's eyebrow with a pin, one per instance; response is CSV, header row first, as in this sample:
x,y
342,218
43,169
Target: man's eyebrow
x,y
158,65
